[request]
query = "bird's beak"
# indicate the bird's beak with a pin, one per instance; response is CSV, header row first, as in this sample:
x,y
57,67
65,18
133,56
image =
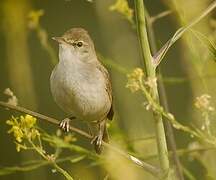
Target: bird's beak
x,y
58,39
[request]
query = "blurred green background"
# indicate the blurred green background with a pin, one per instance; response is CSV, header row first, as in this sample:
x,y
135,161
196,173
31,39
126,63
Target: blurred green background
x,y
27,59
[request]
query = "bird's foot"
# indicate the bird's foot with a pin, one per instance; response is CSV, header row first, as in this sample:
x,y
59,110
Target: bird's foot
x,y
65,124
97,141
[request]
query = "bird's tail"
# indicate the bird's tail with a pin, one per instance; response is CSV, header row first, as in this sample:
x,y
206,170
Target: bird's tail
x,y
106,134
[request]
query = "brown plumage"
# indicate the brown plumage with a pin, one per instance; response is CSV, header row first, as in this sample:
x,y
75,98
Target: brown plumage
x,y
81,85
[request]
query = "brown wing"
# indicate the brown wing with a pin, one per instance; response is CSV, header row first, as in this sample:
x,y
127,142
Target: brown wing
x,y
108,88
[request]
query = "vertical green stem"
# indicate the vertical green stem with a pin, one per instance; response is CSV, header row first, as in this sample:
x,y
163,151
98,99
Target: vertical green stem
x,y
163,99
150,72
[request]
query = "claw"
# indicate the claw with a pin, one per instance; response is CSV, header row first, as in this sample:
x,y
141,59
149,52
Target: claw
x,y
65,125
97,141
93,139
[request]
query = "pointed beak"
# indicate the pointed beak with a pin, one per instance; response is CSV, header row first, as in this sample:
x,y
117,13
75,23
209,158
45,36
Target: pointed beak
x,y
58,39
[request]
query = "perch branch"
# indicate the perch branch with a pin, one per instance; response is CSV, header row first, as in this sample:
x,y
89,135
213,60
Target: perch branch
x,y
146,166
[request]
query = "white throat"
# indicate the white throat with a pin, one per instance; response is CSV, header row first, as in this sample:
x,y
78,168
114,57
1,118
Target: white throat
x,y
69,54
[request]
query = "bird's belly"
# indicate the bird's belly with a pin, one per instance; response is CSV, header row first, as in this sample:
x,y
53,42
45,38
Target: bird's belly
x,y
91,103
83,99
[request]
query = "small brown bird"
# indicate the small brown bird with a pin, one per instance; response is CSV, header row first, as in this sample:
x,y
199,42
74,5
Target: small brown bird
x,y
81,85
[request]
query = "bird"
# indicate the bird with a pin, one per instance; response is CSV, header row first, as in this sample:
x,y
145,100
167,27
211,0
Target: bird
x,y
81,85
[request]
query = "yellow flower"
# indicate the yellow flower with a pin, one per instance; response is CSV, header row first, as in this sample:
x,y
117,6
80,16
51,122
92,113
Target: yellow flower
x,y
28,121
203,103
34,133
18,134
20,146
136,74
123,8
133,86
134,79
34,18
15,129
23,128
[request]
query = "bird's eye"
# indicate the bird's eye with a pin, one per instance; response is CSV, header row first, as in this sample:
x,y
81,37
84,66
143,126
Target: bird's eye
x,y
79,44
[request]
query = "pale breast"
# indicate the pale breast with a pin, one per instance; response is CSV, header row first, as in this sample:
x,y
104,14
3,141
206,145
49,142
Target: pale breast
x,y
81,92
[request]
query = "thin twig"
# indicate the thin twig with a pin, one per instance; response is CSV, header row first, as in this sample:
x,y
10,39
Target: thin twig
x,y
159,16
169,131
31,165
58,168
146,166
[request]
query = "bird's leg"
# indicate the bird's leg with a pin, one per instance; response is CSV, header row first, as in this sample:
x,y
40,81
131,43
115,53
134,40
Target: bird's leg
x,y
65,124
97,139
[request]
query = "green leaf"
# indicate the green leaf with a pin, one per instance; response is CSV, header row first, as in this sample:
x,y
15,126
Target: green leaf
x,y
157,58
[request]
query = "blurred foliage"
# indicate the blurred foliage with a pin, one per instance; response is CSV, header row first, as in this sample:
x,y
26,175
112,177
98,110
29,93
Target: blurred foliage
x,y
122,7
16,40
34,24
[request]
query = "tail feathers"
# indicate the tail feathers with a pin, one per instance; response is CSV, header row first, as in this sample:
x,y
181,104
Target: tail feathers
x,y
105,135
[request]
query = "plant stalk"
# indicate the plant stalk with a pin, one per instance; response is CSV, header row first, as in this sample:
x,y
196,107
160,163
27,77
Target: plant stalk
x,y
150,73
163,99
